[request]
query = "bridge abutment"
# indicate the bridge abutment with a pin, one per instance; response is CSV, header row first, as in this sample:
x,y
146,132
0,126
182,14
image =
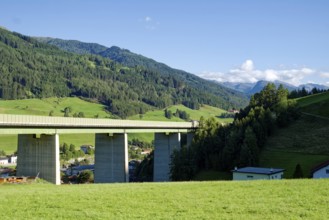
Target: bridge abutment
x,y
111,158
39,155
165,144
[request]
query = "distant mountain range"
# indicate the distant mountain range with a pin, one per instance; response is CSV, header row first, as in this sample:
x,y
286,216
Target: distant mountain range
x,y
252,88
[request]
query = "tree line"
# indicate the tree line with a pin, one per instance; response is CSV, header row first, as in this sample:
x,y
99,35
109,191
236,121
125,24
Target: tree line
x,y
223,147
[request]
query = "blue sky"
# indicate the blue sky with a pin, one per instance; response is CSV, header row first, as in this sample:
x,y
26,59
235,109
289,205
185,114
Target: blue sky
x,y
224,40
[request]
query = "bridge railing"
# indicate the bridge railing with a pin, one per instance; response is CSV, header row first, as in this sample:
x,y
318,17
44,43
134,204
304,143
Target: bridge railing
x,y
7,120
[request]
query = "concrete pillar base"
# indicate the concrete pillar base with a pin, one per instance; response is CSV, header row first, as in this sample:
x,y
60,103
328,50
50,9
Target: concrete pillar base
x,y
164,147
39,156
111,158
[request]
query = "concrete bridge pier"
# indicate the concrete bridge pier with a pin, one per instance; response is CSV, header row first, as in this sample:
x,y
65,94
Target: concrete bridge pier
x,y
165,144
111,158
39,155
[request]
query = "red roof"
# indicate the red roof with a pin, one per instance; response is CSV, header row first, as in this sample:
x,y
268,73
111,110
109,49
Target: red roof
x,y
320,166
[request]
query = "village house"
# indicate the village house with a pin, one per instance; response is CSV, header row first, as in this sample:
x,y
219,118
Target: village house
x,y
257,173
12,159
85,148
4,160
321,170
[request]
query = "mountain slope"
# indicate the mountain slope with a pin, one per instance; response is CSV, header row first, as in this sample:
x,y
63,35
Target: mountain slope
x,y
132,60
304,142
31,69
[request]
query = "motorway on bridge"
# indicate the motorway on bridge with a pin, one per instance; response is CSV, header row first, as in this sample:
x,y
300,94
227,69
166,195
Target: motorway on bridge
x,y
27,124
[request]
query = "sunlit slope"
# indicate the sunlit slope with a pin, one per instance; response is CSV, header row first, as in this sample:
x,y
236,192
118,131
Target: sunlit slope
x,y
317,104
304,142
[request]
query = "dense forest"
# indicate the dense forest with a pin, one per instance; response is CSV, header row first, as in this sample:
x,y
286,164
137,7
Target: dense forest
x,y
223,147
32,69
132,60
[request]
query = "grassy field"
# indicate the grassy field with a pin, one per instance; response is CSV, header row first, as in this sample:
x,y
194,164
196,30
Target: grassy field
x,y
57,105
315,104
206,111
284,199
304,142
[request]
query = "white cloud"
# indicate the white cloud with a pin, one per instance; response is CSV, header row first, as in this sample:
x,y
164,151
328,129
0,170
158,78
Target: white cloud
x,y
149,23
325,75
248,73
247,66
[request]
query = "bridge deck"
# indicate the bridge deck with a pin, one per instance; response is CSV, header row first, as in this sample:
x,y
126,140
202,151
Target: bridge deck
x,y
16,124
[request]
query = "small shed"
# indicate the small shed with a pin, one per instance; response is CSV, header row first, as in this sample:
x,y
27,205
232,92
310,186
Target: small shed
x,y
257,173
321,170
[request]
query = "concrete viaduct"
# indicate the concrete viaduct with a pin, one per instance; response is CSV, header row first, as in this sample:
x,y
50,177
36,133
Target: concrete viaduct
x,y
38,144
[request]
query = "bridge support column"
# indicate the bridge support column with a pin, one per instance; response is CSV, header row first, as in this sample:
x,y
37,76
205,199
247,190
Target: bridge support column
x,y
189,138
111,158
39,155
164,147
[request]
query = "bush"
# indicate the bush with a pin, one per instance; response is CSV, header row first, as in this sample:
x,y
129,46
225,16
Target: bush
x,y
86,176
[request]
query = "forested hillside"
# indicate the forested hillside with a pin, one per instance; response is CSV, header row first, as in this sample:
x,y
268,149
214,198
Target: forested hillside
x,y
132,60
239,144
32,69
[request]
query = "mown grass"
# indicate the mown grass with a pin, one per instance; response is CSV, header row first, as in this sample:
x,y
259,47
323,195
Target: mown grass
x,y
317,104
205,111
8,143
57,105
293,199
304,142
289,160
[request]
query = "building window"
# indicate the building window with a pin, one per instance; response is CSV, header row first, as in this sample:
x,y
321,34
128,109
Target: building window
x,y
250,177
327,171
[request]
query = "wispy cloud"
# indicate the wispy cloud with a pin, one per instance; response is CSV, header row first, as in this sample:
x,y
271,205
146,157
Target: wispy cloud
x,y
324,75
147,19
248,73
150,23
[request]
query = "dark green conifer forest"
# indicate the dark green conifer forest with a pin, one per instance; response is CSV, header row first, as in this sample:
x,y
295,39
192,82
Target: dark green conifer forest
x,y
32,69
223,147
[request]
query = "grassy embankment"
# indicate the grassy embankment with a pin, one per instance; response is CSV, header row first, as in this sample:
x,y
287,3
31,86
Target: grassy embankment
x,y
304,142
286,199
43,107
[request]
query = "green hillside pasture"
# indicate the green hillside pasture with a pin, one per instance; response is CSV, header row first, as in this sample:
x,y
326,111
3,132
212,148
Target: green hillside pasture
x,y
282,199
8,143
158,115
304,142
307,135
312,99
289,160
57,105
315,104
206,111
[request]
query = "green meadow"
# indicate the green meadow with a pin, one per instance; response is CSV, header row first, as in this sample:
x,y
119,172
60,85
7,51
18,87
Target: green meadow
x,y
282,199
317,104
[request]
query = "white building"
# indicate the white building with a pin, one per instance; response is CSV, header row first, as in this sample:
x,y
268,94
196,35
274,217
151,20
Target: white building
x,y
321,171
257,173
12,159
3,160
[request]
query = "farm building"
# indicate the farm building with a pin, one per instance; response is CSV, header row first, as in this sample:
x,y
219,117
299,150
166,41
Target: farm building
x,y
321,170
3,161
257,173
12,159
